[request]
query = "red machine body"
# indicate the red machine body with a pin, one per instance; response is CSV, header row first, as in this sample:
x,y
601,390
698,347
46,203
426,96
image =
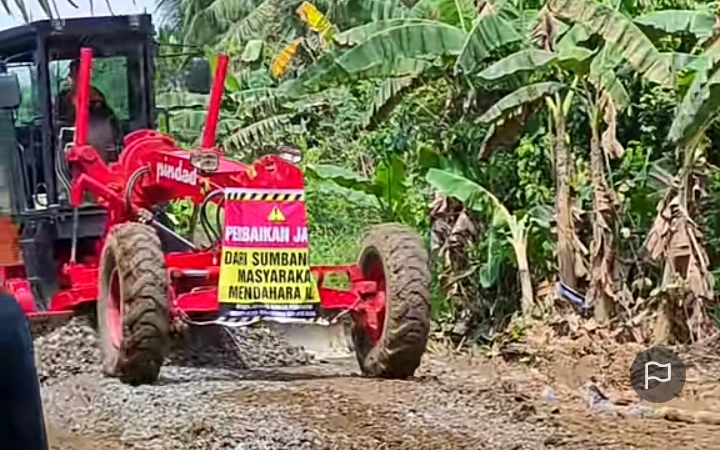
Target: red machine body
x,y
152,171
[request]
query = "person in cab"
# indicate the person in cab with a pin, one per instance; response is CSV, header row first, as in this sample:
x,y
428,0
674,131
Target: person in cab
x,y
104,133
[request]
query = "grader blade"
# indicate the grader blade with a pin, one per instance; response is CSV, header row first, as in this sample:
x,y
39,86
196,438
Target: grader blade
x,y
324,342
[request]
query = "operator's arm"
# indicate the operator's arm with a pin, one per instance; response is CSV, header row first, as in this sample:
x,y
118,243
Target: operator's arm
x,y
22,425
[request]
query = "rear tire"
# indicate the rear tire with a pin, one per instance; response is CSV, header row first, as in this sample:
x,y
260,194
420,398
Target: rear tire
x,y
134,288
404,261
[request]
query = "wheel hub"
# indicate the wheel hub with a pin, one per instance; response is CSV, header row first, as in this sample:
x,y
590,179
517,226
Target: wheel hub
x,y
371,312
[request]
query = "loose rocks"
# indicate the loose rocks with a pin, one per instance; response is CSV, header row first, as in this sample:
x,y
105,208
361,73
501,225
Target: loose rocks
x,y
72,349
180,411
234,348
68,350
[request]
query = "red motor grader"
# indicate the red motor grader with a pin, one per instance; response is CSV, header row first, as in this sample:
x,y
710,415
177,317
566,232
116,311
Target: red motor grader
x,y
61,253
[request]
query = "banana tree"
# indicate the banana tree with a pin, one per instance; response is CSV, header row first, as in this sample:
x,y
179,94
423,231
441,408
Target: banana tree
x,y
561,60
407,44
404,48
593,75
676,238
507,119
477,198
679,241
621,40
604,99
699,23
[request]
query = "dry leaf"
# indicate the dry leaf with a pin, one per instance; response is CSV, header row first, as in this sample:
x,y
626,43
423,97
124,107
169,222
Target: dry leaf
x,y
610,144
544,33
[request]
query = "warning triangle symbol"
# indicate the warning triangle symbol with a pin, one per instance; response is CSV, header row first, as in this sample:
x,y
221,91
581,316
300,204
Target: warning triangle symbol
x,y
276,216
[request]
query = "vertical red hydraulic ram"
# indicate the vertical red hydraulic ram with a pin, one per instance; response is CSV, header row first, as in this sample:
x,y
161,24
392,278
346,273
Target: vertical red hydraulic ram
x,y
213,116
82,104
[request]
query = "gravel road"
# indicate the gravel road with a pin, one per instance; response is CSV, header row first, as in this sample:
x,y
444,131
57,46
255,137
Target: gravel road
x,y
268,395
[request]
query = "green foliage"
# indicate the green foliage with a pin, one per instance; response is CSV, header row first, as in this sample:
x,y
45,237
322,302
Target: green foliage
x,y
110,77
386,191
519,98
407,101
620,32
699,23
489,34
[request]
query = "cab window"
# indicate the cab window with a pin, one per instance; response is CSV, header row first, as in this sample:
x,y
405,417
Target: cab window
x,y
109,76
25,73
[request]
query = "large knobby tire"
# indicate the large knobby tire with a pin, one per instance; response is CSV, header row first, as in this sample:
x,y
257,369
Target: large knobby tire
x,y
133,288
398,252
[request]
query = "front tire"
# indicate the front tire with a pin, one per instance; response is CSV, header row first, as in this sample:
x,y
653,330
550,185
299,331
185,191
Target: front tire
x,y
132,308
394,257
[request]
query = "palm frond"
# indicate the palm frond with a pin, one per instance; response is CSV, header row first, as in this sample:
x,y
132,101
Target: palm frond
x,y
171,12
228,11
256,24
387,97
256,131
259,102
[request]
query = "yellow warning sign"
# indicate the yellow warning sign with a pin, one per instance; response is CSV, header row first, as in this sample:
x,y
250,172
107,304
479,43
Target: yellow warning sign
x,y
276,216
269,277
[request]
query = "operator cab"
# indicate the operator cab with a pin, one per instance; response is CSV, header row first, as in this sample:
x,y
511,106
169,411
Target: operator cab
x,y
42,55
32,149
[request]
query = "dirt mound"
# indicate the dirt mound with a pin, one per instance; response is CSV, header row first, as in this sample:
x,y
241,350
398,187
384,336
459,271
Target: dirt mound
x,y
573,360
569,359
586,373
234,348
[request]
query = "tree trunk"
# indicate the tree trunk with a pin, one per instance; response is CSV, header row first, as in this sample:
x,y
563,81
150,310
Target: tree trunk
x,y
454,231
563,206
528,297
601,292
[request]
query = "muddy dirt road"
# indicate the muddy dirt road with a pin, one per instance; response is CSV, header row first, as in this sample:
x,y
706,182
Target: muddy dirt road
x,y
454,403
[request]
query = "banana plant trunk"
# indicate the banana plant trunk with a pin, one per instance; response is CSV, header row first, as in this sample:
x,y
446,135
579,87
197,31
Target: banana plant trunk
x,y
527,301
601,291
563,205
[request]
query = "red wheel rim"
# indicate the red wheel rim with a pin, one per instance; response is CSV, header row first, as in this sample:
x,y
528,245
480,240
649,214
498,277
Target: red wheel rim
x,y
114,310
372,311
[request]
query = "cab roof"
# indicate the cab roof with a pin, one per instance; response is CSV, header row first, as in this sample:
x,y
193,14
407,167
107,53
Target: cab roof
x,y
19,42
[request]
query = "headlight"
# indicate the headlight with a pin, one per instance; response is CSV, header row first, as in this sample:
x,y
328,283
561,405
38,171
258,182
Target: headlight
x,y
205,161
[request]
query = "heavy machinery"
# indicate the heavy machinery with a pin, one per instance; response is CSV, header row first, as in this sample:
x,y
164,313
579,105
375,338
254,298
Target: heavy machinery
x,y
61,252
